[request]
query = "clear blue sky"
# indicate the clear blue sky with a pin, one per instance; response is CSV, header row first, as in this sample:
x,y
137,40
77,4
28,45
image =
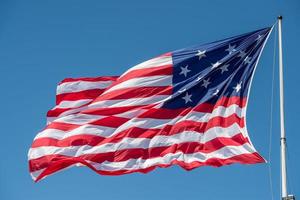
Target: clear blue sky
x,y
42,42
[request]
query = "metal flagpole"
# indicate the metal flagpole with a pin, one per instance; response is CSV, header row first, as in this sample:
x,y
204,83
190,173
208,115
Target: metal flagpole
x,y
284,193
282,130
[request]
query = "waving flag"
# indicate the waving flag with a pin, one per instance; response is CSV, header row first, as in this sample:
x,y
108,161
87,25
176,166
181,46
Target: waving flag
x,y
186,107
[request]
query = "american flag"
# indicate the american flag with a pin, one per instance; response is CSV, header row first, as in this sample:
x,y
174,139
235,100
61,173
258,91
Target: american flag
x,y
186,107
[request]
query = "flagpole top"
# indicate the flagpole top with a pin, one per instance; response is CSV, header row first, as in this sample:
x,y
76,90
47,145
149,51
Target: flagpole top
x,y
279,17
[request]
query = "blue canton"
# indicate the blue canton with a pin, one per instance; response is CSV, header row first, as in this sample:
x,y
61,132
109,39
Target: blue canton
x,y
206,73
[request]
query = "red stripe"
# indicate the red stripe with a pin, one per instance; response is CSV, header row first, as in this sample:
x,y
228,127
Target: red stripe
x,y
126,154
136,132
90,79
166,54
216,121
153,71
62,126
251,158
110,111
86,94
228,101
58,111
160,113
96,111
165,113
127,93
110,121
187,148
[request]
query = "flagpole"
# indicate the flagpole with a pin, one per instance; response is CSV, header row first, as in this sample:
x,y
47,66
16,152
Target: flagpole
x,y
284,193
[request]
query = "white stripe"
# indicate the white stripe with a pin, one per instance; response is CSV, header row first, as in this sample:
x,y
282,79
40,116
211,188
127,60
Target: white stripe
x,y
141,123
131,143
128,114
96,130
155,62
72,104
128,102
79,119
149,81
76,86
102,131
133,164
63,114
220,111
35,174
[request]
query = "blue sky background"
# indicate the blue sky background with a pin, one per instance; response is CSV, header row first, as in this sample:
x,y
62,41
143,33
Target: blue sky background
x,y
42,42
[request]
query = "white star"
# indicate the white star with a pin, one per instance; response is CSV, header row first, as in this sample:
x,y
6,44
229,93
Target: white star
x,y
242,54
259,38
247,60
187,98
205,83
215,65
216,92
201,54
231,49
184,70
224,68
238,87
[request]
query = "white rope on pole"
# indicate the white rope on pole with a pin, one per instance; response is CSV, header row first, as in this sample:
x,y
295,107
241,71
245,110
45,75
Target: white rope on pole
x,y
271,118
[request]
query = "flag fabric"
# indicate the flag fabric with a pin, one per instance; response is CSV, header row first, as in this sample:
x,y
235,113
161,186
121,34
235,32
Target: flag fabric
x,y
75,94
186,107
